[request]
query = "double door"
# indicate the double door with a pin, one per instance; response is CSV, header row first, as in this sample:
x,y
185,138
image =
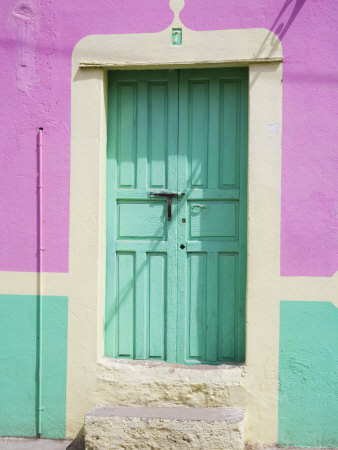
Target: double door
x,y
176,215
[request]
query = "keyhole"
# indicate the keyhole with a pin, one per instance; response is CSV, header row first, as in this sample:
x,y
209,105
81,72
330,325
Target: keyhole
x,y
182,246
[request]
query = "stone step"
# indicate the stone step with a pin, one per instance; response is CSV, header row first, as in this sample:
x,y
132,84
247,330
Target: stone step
x,y
154,383
113,427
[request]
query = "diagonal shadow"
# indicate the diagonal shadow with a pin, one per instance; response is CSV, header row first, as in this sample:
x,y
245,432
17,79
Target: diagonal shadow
x,y
279,27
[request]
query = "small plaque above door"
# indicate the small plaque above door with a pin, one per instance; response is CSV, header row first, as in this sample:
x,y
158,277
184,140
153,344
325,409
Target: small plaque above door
x,y
176,36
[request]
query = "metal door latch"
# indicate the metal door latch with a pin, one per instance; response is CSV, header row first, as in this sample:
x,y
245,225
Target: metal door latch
x,y
169,196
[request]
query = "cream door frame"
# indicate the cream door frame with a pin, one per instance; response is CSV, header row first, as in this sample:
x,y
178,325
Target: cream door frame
x,y
261,51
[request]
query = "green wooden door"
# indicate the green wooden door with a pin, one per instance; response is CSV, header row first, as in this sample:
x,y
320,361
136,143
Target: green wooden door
x,y
175,289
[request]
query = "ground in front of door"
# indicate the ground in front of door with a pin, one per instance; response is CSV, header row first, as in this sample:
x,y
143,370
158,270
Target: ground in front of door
x,y
49,444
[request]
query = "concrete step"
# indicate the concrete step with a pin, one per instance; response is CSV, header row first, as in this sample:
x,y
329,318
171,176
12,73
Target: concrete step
x,y
155,383
113,427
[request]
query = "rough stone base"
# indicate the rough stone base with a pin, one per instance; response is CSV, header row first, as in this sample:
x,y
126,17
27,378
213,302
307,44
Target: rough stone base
x,y
154,383
164,428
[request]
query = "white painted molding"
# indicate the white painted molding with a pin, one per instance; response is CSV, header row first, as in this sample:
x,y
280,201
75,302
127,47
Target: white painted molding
x,y
257,48
216,48
108,65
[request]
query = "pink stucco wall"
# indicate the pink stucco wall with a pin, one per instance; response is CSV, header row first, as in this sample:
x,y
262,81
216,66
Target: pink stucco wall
x,y
308,31
37,39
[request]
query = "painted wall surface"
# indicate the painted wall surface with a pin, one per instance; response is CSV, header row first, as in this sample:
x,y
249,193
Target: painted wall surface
x,y
308,374
307,29
19,367
37,42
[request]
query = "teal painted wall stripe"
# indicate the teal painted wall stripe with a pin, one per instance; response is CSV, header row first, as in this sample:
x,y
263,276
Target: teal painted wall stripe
x,y
19,365
54,367
308,374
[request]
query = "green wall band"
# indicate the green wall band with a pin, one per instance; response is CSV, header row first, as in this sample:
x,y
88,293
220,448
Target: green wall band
x,y
308,374
20,361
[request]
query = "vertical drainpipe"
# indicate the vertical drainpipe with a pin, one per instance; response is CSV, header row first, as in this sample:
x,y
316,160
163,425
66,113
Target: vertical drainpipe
x,y
41,249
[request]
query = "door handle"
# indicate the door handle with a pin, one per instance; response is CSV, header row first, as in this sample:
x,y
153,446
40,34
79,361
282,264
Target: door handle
x,y
169,196
197,206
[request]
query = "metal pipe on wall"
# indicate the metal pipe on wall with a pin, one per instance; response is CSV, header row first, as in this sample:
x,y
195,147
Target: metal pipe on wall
x,y
40,286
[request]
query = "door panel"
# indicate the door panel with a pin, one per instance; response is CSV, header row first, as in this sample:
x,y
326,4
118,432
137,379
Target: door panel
x,y
212,140
126,135
142,220
176,289
141,243
230,109
157,287
158,135
198,133
125,303
196,305
212,219
227,277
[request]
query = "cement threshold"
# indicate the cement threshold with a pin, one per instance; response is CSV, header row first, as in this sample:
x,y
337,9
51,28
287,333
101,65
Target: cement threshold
x,y
9,443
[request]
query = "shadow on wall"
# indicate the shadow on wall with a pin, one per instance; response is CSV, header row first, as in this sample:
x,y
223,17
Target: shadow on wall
x,y
281,24
279,28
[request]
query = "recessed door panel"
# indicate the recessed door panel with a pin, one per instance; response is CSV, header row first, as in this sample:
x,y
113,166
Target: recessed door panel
x,y
227,279
141,220
230,127
157,289
198,127
212,219
125,303
196,305
126,134
158,135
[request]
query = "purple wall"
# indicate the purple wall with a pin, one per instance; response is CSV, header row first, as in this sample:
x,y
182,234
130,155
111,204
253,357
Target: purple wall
x,y
308,31
37,39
